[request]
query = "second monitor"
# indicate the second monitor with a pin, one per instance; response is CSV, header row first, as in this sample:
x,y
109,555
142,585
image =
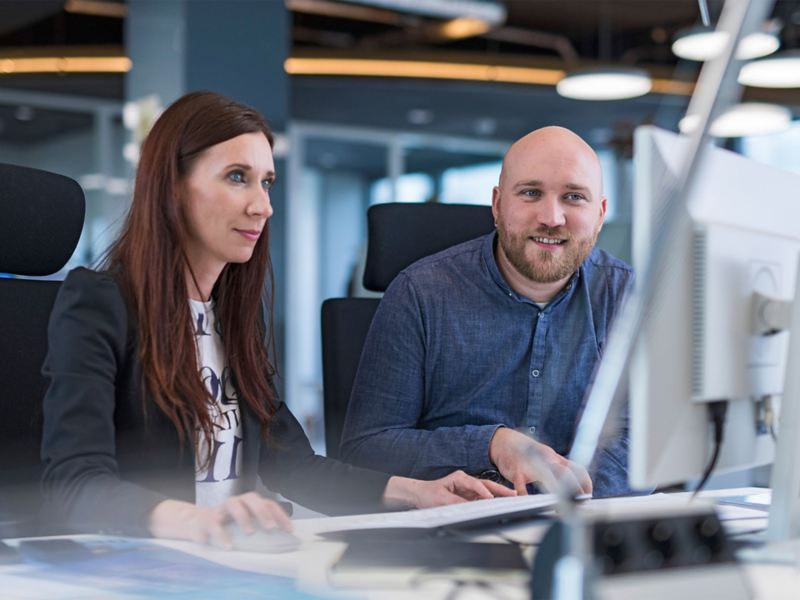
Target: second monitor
x,y
700,344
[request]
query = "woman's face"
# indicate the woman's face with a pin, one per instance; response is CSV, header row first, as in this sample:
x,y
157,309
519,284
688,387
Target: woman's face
x,y
226,202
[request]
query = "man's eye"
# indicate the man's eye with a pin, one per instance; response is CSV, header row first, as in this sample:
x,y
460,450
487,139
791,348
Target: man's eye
x,y
531,193
267,184
236,176
575,197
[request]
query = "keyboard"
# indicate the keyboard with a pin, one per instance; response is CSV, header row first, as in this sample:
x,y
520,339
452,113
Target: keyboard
x,y
475,513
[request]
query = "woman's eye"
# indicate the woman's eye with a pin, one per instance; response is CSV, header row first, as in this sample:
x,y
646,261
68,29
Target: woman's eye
x,y
236,176
267,184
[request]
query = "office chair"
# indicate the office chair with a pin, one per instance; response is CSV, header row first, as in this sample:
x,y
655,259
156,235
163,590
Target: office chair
x,y
397,235
42,217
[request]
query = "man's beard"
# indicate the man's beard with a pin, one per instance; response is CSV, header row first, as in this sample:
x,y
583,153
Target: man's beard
x,y
545,266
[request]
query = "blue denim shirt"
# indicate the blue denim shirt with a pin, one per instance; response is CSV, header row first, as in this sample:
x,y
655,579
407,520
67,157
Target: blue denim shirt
x,y
453,353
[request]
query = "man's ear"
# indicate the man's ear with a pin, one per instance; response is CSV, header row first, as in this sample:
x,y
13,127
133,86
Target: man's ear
x,y
603,207
495,203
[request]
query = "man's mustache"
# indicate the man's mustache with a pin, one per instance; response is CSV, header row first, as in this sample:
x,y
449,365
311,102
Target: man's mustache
x,y
552,232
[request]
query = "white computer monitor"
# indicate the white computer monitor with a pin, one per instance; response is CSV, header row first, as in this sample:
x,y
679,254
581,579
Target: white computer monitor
x,y
698,343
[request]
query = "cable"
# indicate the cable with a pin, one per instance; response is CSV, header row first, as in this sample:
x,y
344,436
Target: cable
x,y
716,412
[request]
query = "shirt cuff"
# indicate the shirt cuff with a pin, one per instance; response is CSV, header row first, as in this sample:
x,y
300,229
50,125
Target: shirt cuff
x,y
478,448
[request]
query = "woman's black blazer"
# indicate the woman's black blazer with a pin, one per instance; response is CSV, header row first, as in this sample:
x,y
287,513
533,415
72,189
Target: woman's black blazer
x,y
111,455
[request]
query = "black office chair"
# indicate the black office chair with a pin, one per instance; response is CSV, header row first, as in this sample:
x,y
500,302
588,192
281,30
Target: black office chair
x,y
397,235
41,217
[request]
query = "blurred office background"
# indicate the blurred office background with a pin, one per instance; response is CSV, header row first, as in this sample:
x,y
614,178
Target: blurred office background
x,y
373,101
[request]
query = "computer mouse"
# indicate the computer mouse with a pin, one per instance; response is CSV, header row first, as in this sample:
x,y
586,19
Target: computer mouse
x,y
263,540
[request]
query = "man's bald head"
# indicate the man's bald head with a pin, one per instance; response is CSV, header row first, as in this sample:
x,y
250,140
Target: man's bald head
x,y
556,144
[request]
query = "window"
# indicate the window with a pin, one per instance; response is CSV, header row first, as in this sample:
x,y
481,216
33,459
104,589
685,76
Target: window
x,y
470,185
411,187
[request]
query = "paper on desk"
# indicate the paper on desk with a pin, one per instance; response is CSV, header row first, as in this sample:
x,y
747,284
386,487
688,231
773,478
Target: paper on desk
x,y
764,498
429,518
731,512
135,568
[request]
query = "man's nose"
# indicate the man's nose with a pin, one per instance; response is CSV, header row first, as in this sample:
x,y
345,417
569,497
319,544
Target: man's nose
x,y
551,212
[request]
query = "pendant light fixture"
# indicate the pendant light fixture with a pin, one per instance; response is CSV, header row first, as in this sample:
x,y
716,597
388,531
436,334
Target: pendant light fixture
x,y
704,43
745,119
779,71
605,83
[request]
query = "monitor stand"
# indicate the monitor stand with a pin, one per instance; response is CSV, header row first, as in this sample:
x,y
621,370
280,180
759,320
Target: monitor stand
x,y
783,531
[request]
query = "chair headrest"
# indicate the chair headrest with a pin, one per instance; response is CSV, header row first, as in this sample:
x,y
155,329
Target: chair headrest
x,y
399,234
41,217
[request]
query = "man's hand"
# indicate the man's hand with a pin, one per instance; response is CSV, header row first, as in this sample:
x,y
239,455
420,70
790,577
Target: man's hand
x,y
454,488
523,460
174,519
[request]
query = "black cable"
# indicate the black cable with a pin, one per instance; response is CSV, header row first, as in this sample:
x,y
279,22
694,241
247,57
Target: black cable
x,y
716,412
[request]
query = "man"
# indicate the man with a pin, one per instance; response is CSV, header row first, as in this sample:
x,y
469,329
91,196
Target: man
x,y
476,350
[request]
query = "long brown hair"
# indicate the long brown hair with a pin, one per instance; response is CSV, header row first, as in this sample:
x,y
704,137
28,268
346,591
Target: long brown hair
x,y
149,259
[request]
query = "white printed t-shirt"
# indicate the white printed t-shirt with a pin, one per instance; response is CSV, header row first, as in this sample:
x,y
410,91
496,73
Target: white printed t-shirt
x,y
221,478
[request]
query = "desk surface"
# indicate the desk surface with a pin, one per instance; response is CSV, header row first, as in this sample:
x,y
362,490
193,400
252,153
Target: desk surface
x,y
303,574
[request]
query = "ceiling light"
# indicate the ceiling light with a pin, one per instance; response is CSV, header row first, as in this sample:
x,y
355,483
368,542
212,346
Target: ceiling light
x,y
96,8
741,120
456,29
757,44
489,11
779,71
700,43
367,67
605,84
14,65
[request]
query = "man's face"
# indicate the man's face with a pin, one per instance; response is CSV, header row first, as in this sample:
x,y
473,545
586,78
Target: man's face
x,y
548,205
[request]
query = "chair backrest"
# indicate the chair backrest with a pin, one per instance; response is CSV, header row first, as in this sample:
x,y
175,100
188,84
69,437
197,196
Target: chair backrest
x,y
42,217
400,234
345,323
397,236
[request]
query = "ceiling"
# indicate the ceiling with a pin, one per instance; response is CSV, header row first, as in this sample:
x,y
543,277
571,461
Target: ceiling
x,y
563,33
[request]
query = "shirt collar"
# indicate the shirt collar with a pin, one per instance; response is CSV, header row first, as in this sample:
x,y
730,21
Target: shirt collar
x,y
490,261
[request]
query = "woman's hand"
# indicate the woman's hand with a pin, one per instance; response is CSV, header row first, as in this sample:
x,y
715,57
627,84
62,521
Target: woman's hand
x,y
178,520
402,492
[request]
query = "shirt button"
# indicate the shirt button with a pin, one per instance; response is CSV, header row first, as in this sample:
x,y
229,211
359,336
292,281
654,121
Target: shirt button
x,y
535,372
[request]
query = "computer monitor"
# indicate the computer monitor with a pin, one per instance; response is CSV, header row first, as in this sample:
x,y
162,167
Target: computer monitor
x,y
698,344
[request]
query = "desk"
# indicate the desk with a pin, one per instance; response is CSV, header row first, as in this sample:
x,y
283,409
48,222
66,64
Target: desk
x,y
308,568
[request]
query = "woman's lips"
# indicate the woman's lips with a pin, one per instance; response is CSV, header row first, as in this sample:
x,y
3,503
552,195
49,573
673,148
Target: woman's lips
x,y
250,234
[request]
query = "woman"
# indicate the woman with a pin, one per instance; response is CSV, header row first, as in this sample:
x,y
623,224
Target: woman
x,y
137,441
